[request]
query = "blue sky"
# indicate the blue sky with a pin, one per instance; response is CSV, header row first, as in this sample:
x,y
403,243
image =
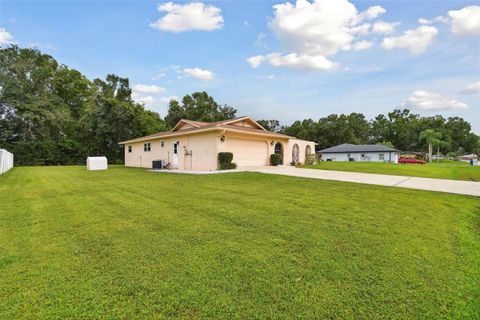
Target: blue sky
x,y
269,59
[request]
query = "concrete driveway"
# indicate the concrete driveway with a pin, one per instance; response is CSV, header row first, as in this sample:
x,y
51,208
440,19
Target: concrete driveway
x,y
441,185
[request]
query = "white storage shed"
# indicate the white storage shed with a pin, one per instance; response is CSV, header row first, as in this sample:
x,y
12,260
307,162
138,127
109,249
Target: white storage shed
x,y
97,163
6,161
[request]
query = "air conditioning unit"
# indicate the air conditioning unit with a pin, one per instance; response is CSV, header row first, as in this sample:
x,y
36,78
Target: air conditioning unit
x,y
157,164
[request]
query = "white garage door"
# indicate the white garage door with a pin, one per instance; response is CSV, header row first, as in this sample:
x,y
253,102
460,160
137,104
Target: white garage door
x,y
248,152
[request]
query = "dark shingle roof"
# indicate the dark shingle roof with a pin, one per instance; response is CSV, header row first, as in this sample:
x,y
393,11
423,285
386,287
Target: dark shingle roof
x,y
351,148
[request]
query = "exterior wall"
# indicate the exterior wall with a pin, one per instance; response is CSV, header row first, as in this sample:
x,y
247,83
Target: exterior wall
x,y
261,148
369,156
475,162
302,145
251,141
202,152
142,159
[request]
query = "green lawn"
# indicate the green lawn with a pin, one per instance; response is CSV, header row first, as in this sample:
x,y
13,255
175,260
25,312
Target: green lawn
x,y
131,244
454,170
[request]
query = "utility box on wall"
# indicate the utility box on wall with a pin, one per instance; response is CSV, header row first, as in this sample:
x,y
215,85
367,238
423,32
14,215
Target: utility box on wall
x,y
97,163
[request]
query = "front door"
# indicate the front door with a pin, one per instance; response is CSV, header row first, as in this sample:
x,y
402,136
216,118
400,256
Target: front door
x,y
175,154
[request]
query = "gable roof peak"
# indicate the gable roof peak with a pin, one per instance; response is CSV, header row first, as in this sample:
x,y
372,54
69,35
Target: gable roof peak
x,y
199,124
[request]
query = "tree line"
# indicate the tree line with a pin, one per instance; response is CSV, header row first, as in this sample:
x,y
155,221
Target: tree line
x,y
53,115
399,128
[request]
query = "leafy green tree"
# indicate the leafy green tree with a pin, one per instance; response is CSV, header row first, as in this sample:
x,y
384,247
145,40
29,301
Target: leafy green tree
x,y
306,129
270,125
380,129
460,135
440,144
50,114
388,144
332,129
358,128
198,106
432,138
38,116
113,117
402,129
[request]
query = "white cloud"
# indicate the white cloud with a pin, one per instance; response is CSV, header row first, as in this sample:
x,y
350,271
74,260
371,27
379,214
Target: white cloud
x,y
424,21
465,21
190,16
153,102
255,61
362,45
146,100
472,88
199,73
5,37
431,101
313,31
362,29
382,27
322,27
441,19
166,100
371,13
295,61
150,96
416,40
145,88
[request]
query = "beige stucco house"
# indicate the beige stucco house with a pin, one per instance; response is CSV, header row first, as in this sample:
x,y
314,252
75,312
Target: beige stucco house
x,y
194,145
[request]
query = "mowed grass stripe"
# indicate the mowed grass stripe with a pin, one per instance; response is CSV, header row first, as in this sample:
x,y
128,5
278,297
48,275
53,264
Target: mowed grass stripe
x,y
126,243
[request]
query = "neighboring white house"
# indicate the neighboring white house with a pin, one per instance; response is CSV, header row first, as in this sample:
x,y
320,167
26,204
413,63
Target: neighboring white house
x,y
360,152
469,157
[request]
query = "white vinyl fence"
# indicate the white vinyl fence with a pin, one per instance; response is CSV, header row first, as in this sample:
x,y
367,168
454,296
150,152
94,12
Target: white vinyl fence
x,y
6,161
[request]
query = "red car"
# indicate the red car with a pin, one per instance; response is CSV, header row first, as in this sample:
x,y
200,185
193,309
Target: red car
x,y
409,160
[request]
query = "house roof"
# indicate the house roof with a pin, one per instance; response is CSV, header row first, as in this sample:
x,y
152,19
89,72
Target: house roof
x,y
352,148
468,156
199,126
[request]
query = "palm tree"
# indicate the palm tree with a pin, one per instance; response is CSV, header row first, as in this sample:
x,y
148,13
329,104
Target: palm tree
x,y
432,137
